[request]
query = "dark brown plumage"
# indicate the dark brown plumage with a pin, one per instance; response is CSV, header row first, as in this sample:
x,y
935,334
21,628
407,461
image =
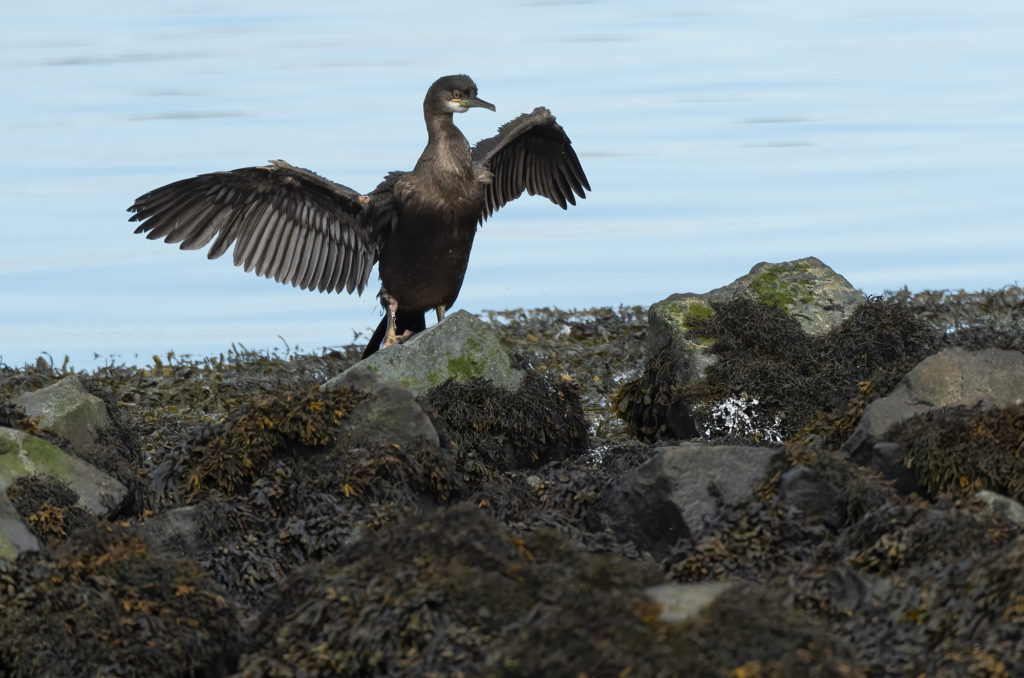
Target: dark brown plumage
x,y
292,225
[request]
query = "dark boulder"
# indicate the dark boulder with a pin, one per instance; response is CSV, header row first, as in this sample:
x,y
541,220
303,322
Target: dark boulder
x,y
672,495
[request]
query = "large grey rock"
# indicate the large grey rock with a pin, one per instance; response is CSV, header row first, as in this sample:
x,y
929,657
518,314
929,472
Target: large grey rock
x,y
954,376
672,495
67,409
460,347
807,289
391,415
22,454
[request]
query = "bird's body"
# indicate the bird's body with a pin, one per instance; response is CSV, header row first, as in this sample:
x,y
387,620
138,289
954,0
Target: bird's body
x,y
297,227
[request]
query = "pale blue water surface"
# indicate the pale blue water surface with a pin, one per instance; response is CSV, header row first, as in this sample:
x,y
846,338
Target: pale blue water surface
x,y
884,137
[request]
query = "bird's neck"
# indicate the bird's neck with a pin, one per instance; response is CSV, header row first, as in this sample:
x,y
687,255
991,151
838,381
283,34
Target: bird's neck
x,y
447,150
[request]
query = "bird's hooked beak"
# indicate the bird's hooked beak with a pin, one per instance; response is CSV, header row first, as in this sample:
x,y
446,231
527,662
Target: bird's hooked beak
x,y
466,103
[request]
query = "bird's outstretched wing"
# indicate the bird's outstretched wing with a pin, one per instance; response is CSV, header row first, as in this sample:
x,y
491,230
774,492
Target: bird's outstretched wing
x,y
530,153
286,223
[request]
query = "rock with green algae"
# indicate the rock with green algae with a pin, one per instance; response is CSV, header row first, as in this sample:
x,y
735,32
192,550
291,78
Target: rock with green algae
x,y
461,347
24,454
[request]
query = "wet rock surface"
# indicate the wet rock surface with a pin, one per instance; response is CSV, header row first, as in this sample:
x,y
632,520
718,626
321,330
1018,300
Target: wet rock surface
x,y
672,495
274,527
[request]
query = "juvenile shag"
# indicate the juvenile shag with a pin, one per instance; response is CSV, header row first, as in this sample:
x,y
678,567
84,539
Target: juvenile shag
x,y
300,228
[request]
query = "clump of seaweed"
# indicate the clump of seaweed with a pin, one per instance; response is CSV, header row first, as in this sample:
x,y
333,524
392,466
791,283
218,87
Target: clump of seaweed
x,y
107,606
930,613
895,537
750,541
233,453
500,430
959,450
161,402
50,508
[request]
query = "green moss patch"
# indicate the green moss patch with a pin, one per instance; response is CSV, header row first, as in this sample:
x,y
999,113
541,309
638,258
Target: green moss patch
x,y
784,286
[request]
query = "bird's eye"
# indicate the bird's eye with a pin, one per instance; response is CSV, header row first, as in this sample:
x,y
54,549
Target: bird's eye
x,y
457,94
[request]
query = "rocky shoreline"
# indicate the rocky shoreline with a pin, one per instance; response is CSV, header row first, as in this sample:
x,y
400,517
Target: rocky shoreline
x,y
781,477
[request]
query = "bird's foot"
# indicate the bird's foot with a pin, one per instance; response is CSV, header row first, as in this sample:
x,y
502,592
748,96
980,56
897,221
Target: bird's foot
x,y
393,339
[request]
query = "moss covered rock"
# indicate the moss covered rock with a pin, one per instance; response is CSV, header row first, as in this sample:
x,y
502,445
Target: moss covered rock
x,y
461,347
22,454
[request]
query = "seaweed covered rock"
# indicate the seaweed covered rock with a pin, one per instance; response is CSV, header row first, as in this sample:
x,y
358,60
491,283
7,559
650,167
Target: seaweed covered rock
x,y
897,537
88,425
277,484
678,351
683,340
770,378
959,450
458,594
753,540
826,486
50,508
950,378
806,289
497,411
494,429
929,590
786,521
107,606
230,455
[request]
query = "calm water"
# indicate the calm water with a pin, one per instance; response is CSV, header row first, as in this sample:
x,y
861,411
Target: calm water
x,y
884,137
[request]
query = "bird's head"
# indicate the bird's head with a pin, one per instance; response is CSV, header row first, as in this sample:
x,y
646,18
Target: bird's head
x,y
454,94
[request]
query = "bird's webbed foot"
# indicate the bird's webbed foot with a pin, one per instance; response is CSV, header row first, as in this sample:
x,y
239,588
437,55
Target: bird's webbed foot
x,y
391,337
